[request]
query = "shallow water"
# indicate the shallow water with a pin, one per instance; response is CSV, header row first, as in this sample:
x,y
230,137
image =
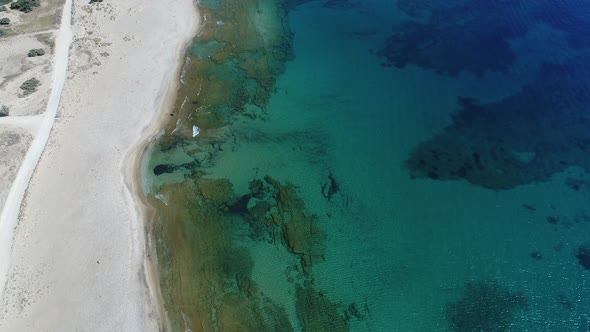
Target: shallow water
x,y
379,166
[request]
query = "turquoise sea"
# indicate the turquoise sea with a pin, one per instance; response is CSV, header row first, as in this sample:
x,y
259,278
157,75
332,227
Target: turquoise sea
x,y
444,148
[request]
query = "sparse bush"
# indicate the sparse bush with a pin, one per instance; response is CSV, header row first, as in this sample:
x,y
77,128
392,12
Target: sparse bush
x,y
29,86
3,8
25,6
36,52
4,21
2,33
4,111
4,2
93,1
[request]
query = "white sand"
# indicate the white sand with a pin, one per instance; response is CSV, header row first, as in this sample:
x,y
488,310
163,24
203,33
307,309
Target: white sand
x,y
78,261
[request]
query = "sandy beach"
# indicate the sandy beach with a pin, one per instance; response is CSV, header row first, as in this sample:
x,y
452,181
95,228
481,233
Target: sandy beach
x,y
79,257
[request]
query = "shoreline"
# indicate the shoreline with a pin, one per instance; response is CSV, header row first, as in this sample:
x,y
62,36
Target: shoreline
x,y
133,168
211,225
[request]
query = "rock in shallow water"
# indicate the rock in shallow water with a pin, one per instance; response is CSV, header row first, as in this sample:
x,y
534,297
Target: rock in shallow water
x,y
583,256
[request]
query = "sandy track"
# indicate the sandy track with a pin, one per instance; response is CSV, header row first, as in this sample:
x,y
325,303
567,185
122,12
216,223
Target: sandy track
x,y
9,216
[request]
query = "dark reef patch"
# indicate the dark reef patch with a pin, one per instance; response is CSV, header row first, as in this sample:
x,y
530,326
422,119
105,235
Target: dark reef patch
x,y
169,168
520,139
209,276
583,256
163,168
485,306
241,205
553,220
329,318
564,301
330,188
578,184
450,37
278,216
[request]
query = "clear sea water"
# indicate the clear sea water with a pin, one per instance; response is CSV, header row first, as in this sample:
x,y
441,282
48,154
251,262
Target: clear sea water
x,y
456,138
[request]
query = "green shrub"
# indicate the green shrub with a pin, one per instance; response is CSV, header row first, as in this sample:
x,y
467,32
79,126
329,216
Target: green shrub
x,y
4,21
29,86
4,2
25,6
36,52
4,111
3,8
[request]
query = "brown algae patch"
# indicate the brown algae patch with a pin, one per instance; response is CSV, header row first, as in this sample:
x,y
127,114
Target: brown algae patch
x,y
203,227
205,278
206,274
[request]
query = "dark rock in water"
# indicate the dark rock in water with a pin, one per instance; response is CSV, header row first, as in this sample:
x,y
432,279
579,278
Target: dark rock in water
x,y
485,306
164,168
583,256
577,184
353,311
241,205
330,188
169,168
536,255
529,207
553,220
565,301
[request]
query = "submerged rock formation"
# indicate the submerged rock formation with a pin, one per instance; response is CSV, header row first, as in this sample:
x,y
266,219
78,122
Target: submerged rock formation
x,y
485,306
205,266
474,36
583,256
549,119
454,35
